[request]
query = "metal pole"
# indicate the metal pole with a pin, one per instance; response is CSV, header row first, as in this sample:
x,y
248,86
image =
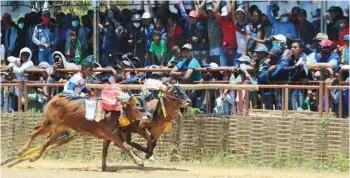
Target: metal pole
x,y
96,31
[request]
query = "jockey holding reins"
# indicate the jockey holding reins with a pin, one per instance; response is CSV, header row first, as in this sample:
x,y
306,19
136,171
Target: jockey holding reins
x,y
79,79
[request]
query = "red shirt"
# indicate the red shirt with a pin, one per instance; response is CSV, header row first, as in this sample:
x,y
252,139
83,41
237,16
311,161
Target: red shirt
x,y
228,32
341,36
172,35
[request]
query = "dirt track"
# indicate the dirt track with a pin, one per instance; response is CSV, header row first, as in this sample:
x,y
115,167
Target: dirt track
x,y
57,169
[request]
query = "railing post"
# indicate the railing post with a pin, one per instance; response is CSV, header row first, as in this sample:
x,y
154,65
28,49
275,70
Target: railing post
x,y
25,96
240,101
246,113
340,104
286,100
320,97
283,102
327,97
19,87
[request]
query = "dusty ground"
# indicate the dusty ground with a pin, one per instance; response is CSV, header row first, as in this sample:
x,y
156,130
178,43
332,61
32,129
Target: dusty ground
x,y
58,169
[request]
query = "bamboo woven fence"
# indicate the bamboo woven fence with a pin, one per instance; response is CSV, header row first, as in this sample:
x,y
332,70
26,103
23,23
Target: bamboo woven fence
x,y
299,137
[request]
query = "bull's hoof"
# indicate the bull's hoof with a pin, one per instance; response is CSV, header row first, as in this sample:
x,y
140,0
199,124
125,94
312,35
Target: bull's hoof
x,y
105,168
141,165
34,158
148,155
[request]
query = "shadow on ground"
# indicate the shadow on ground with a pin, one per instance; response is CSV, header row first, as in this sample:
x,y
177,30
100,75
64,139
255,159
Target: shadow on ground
x,y
128,169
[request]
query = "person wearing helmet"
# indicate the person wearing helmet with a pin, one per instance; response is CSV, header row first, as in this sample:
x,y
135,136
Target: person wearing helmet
x,y
283,26
147,30
136,38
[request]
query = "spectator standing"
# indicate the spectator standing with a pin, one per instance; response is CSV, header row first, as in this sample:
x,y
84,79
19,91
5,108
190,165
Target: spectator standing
x,y
344,30
31,20
158,49
283,26
175,32
21,33
60,25
254,30
74,48
326,57
197,34
228,28
186,68
241,35
214,31
345,54
82,36
333,27
10,35
278,71
46,36
177,56
18,67
137,38
305,30
147,30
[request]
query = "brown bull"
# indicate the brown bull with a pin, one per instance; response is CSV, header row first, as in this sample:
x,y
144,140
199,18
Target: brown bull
x,y
174,99
63,114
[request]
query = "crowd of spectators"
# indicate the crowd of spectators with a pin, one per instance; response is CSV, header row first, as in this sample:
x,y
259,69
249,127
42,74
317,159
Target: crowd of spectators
x,y
262,47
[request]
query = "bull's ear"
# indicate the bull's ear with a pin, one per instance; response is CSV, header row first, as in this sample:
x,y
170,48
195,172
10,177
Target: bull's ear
x,y
124,103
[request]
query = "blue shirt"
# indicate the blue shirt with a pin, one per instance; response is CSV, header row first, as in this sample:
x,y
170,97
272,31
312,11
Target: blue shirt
x,y
193,64
332,60
279,27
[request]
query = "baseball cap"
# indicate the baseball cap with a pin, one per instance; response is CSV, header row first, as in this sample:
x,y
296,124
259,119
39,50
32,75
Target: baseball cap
x,y
193,13
224,11
261,48
6,16
244,59
275,52
187,46
146,15
280,38
209,7
347,37
332,8
240,9
321,36
325,43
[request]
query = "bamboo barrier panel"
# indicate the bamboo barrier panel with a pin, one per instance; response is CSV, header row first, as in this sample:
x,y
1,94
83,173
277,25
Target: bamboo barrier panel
x,y
263,138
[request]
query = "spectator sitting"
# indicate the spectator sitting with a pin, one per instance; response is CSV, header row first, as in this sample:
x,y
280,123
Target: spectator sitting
x,y
73,48
283,26
176,51
158,49
310,102
315,45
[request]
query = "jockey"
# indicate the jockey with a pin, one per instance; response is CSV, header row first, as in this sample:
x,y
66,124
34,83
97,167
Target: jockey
x,y
79,79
